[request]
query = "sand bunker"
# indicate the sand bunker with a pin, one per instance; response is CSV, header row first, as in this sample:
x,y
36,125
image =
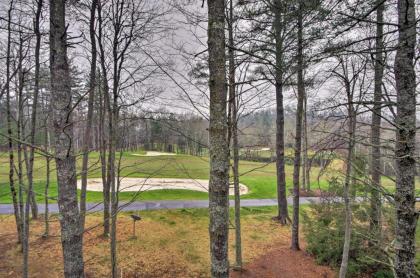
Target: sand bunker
x,y
153,154
142,184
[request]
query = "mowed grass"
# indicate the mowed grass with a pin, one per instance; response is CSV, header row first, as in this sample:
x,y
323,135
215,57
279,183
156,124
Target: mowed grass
x,y
259,177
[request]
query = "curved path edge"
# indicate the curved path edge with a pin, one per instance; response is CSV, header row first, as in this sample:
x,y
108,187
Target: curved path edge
x,y
167,204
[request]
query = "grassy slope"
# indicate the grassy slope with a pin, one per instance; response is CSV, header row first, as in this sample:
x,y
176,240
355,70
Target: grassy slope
x,y
259,177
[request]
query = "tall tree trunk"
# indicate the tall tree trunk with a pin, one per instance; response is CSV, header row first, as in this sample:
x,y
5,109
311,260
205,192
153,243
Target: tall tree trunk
x,y
62,107
106,107
102,146
22,189
348,181
30,170
375,213
283,215
87,136
9,127
306,162
47,182
405,149
111,178
114,207
298,134
235,144
219,157
113,113
20,127
304,146
21,137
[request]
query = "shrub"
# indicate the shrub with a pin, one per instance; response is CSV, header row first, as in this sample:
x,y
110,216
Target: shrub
x,y
324,233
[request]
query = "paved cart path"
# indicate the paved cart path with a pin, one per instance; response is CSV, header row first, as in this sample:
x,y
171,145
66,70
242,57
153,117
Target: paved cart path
x,y
167,204
178,204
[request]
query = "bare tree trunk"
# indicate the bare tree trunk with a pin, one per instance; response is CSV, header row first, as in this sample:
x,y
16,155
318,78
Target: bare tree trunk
x,y
47,183
375,213
219,157
113,114
283,215
102,146
307,168
24,219
30,170
304,147
112,146
348,180
406,141
298,134
24,215
235,144
20,127
106,107
87,140
114,206
9,127
62,106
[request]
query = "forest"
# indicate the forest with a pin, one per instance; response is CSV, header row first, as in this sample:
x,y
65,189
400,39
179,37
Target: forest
x,y
212,138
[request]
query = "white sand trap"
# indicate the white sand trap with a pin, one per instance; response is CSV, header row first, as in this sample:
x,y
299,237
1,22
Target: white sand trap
x,y
153,154
142,184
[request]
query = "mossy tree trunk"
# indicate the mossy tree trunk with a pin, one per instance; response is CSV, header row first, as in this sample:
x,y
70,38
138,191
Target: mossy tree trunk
x,y
405,149
375,213
62,107
283,215
218,147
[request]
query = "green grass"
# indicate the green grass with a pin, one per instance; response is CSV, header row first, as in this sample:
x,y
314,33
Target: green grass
x,y
259,177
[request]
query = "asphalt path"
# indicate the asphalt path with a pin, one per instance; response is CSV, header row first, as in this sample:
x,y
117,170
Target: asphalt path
x,y
179,204
166,204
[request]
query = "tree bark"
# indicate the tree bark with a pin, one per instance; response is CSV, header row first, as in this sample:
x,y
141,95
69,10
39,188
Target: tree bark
x,y
106,108
298,134
62,106
375,213
306,162
21,136
406,141
87,136
30,170
47,183
9,127
235,144
283,215
348,178
102,146
218,147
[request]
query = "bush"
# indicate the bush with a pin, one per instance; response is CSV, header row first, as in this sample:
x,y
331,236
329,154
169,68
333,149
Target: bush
x,y
324,233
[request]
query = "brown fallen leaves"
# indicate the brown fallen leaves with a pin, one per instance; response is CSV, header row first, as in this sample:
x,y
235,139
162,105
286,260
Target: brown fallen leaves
x,y
172,243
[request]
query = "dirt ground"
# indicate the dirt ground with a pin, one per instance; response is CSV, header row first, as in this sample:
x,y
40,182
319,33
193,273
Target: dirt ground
x,y
167,244
282,262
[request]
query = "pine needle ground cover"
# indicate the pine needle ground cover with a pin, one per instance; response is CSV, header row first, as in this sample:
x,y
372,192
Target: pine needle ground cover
x,y
171,243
